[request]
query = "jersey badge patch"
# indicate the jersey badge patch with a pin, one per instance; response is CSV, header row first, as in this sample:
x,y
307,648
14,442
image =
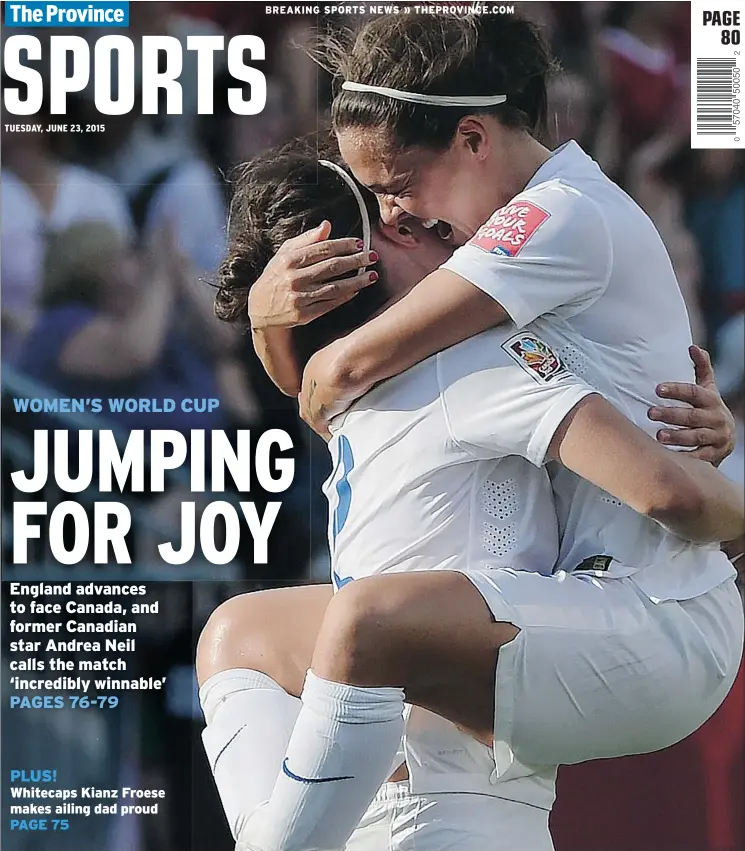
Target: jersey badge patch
x,y
536,357
509,229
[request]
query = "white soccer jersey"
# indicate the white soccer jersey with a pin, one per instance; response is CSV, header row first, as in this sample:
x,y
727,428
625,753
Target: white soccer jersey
x,y
574,249
405,492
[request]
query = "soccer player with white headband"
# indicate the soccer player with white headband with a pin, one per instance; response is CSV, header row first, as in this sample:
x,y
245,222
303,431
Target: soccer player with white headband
x,y
370,533
254,652
564,244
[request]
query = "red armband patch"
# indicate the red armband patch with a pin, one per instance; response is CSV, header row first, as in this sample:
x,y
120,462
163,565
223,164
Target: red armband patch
x,y
509,229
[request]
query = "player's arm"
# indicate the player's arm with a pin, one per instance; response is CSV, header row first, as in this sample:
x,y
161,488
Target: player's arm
x,y
440,311
518,399
276,351
524,262
684,494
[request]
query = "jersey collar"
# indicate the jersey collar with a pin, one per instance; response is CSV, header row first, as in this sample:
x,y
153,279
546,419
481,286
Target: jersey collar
x,y
564,157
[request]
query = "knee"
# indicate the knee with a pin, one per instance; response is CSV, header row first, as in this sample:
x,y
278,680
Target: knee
x,y
235,636
400,629
359,642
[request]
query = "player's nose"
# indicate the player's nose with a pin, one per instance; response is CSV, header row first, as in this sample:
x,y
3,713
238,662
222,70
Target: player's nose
x,y
390,212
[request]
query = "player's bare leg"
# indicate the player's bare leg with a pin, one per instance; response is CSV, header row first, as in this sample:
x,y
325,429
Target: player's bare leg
x,y
429,635
251,661
271,631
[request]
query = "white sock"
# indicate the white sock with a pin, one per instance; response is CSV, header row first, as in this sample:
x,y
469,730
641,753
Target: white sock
x,y
340,753
249,722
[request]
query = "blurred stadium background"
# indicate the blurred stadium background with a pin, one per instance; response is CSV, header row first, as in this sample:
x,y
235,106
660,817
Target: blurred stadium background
x,y
128,224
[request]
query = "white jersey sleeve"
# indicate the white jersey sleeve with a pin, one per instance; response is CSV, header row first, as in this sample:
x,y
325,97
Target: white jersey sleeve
x,y
547,252
507,398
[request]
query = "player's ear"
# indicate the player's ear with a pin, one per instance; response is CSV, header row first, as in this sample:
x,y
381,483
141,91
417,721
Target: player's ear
x,y
402,234
473,135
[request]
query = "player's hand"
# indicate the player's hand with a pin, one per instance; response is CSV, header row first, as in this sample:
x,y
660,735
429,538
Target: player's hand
x,y
322,395
304,279
708,426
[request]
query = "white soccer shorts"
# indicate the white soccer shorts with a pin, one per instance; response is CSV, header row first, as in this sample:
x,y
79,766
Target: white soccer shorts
x,y
599,670
400,821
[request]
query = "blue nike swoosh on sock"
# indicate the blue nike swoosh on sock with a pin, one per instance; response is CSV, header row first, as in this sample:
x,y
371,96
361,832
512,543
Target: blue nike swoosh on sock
x,y
300,779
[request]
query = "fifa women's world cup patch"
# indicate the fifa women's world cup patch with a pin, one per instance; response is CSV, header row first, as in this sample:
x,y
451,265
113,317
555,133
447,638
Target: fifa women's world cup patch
x,y
537,358
509,229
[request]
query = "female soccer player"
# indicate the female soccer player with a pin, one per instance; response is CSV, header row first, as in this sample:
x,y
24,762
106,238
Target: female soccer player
x,y
248,261
438,116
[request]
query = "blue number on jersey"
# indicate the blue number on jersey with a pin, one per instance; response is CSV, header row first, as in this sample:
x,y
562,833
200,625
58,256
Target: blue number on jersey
x,y
345,461
343,488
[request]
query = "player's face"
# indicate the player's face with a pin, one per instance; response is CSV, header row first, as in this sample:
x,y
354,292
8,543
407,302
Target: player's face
x,y
408,252
446,187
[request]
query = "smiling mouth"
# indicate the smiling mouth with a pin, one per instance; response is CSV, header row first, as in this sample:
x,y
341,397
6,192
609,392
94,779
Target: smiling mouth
x,y
442,229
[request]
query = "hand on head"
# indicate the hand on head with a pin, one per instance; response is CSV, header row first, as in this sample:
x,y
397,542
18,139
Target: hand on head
x,y
309,276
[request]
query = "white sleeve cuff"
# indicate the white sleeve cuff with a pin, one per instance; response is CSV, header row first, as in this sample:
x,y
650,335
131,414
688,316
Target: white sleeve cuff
x,y
485,280
546,429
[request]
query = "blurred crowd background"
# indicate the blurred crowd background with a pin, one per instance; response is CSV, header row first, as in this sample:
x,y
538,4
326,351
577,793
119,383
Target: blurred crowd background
x,y
115,235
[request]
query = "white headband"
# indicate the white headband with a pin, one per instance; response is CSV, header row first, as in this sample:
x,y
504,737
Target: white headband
x,y
364,215
434,100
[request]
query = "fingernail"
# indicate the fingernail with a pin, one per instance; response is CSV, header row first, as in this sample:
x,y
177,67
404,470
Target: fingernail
x,y
664,435
663,388
654,412
374,257
373,276
360,245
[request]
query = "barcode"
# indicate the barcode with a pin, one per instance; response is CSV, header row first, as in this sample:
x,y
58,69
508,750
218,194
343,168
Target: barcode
x,y
715,95
716,79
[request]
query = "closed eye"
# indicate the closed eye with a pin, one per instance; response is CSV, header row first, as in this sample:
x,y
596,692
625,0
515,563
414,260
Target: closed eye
x,y
394,190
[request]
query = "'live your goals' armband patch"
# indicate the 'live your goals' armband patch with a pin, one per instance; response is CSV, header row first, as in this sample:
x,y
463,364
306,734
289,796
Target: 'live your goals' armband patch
x,y
509,229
